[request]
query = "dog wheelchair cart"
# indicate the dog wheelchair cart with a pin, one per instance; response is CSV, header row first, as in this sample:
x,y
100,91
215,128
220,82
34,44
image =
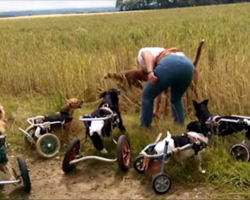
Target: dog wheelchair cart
x,y
73,154
47,144
23,177
161,182
239,151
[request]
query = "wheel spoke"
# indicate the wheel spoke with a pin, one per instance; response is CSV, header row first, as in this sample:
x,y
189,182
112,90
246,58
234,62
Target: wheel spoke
x,y
240,153
162,183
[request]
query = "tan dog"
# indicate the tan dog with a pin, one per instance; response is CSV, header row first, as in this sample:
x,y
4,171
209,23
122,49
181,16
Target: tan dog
x,y
137,76
2,114
2,127
66,113
7,171
71,105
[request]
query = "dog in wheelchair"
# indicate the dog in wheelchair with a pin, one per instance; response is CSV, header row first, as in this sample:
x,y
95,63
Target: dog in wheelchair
x,y
225,128
2,114
8,172
198,140
65,115
101,128
196,135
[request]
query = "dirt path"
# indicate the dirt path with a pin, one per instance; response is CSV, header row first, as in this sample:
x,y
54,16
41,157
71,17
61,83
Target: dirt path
x,y
96,180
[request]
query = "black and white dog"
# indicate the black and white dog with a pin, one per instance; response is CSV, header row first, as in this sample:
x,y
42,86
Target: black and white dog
x,y
101,128
198,140
197,135
225,127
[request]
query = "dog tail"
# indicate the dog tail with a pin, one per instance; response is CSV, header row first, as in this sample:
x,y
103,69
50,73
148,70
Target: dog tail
x,y
198,53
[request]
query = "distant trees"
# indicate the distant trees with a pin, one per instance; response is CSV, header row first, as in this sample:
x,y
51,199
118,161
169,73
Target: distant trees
x,y
157,4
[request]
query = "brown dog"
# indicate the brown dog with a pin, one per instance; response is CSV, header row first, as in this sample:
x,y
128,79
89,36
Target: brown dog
x,y
2,114
66,114
137,76
7,171
2,127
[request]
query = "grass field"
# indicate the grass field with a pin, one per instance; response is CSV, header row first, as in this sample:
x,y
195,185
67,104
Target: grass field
x,y
44,61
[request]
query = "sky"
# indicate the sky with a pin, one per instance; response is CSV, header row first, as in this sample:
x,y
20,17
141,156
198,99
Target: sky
x,y
47,4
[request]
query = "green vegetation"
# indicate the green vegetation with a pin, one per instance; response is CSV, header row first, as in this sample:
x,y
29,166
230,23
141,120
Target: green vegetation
x,y
44,61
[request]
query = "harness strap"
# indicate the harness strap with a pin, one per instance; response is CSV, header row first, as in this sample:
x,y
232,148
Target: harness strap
x,y
213,118
165,53
106,107
198,144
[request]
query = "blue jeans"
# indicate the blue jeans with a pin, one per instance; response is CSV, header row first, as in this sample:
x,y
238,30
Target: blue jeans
x,y
173,71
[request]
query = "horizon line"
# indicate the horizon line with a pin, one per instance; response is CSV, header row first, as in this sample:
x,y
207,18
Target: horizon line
x,y
57,9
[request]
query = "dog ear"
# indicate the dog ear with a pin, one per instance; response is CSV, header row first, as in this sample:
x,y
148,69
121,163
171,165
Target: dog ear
x,y
205,102
118,91
102,95
195,104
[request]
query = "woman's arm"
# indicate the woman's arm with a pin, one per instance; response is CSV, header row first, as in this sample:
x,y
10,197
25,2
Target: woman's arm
x,y
149,60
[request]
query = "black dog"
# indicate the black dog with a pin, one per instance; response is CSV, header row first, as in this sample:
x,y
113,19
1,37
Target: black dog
x,y
225,128
101,128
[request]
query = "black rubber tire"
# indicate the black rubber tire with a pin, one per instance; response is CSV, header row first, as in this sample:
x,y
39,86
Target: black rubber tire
x,y
139,162
156,179
40,141
121,140
24,174
66,167
243,147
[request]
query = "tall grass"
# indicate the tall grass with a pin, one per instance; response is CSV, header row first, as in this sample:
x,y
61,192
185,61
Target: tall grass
x,y
68,56
46,60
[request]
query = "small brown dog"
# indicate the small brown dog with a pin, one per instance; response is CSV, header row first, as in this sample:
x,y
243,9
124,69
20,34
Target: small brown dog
x,y
2,113
65,114
2,127
7,171
137,76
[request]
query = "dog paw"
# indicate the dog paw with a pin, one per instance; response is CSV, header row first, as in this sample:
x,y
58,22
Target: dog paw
x,y
104,151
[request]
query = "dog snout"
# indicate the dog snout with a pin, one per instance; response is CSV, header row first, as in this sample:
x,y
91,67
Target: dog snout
x,y
80,103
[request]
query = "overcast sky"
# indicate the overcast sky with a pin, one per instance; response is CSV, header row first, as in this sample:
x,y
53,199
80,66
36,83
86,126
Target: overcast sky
x,y
47,4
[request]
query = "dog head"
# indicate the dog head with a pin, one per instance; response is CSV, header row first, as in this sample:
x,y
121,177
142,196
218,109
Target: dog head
x,y
201,110
111,97
2,113
75,103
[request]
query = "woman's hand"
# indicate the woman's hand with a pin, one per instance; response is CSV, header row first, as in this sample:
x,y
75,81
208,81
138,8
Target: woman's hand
x,y
152,78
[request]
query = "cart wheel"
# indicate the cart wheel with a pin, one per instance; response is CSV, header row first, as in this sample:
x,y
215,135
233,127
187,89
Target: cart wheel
x,y
29,140
48,145
71,153
24,174
138,164
240,152
123,152
161,183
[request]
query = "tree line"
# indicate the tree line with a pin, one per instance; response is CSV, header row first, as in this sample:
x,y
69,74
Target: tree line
x,y
123,5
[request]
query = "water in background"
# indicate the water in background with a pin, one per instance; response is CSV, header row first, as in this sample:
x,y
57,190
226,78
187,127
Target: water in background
x,y
57,11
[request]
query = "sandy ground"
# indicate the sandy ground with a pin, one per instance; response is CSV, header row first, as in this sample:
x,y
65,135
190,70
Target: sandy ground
x,y
92,181
68,15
